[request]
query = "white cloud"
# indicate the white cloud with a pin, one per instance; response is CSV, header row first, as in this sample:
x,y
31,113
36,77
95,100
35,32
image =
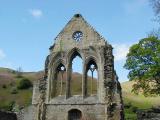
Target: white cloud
x,y
120,51
2,54
37,13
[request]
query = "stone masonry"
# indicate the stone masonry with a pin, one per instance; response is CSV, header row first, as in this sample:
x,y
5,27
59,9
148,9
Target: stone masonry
x,y
78,38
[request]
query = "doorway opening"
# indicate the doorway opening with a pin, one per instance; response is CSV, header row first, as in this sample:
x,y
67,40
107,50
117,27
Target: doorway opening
x,y
74,114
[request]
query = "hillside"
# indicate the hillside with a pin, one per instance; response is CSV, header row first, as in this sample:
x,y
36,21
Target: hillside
x,y
135,102
8,85
140,100
9,94
22,98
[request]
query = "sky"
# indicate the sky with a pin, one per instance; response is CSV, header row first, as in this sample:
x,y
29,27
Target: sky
x,y
28,28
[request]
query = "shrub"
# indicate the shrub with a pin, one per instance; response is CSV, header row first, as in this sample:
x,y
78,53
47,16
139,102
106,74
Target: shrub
x,y
4,86
12,84
11,105
130,111
134,109
127,105
24,83
14,90
13,71
19,76
130,117
15,108
7,106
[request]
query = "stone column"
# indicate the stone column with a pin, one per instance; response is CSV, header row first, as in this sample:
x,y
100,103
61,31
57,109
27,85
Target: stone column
x,y
49,85
53,83
68,79
84,86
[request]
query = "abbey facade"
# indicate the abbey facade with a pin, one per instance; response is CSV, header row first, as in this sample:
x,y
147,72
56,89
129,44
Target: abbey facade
x,y
55,96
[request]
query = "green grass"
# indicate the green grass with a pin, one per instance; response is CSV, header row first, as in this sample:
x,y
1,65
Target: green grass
x,y
130,116
139,101
22,98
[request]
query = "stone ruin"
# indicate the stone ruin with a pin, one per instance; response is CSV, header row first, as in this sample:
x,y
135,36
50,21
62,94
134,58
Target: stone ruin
x,y
53,97
151,114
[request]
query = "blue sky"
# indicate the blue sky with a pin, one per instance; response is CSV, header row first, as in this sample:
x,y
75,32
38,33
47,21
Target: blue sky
x,y
28,27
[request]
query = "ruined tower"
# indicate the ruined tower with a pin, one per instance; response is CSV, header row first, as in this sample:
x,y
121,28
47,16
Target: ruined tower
x,y
50,102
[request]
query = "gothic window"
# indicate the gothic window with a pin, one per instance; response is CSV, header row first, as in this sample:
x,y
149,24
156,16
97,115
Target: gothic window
x,y
76,74
92,78
59,83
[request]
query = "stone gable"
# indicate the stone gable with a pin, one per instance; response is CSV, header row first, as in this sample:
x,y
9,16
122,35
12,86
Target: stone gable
x,y
52,95
90,37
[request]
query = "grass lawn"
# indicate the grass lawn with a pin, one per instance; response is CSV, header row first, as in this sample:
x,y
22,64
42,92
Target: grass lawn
x,y
136,101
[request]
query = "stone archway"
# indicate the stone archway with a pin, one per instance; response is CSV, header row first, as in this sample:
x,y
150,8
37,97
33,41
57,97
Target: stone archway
x,y
74,114
92,82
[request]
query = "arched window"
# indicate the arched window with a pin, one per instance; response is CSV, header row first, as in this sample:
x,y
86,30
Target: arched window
x,y
76,74
92,78
74,114
59,83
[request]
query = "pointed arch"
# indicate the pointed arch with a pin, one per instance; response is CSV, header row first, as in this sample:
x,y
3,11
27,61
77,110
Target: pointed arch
x,y
58,86
57,57
72,53
75,79
91,60
57,63
91,76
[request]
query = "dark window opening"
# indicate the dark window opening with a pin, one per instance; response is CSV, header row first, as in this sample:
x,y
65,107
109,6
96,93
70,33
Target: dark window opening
x,y
74,114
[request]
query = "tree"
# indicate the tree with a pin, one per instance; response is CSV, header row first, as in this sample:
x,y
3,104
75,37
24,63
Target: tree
x,y
155,32
143,63
156,7
24,83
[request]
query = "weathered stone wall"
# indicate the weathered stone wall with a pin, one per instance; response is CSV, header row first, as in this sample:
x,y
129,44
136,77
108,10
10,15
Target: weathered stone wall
x,y
36,93
107,104
90,36
89,112
148,114
28,113
7,115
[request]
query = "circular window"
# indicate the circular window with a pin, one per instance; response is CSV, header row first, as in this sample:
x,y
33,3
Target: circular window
x,y
77,35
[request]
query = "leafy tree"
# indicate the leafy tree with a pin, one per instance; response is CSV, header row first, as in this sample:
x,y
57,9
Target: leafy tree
x,y
14,90
155,32
143,63
156,7
24,84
